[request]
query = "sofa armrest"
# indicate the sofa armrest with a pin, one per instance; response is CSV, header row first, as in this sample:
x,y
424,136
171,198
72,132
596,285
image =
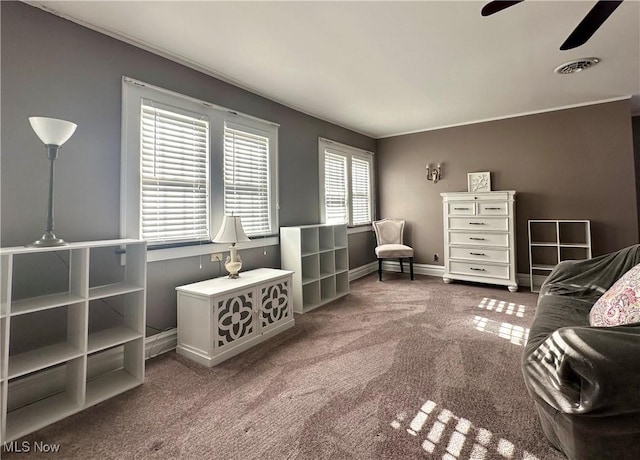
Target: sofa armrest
x,y
587,370
589,278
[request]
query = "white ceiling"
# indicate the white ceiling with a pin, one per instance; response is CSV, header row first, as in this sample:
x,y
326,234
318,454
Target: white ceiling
x,y
386,68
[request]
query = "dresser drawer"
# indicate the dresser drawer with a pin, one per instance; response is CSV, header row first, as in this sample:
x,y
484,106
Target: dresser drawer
x,y
480,196
481,255
493,209
481,239
462,208
478,223
479,269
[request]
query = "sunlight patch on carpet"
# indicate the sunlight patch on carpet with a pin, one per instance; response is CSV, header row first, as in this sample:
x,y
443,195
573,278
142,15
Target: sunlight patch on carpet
x,y
517,335
500,306
456,436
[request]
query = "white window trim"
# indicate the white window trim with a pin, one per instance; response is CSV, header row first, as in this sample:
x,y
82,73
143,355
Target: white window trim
x,y
360,229
349,152
132,93
178,252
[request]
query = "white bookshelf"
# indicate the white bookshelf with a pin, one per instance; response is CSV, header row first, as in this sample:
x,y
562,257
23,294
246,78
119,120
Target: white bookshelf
x,y
552,241
319,257
65,289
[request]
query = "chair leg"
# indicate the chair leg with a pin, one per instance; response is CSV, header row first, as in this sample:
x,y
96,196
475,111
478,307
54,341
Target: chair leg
x,y
379,269
401,267
411,267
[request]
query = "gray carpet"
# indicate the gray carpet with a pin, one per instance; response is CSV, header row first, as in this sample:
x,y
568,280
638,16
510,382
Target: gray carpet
x,y
395,370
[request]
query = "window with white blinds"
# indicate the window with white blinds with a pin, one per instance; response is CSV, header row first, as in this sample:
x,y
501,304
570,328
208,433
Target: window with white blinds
x,y
246,179
174,154
335,189
346,184
185,163
360,190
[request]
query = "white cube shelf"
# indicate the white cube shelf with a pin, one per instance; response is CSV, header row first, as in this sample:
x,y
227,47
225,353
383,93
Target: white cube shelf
x,y
319,257
551,242
47,378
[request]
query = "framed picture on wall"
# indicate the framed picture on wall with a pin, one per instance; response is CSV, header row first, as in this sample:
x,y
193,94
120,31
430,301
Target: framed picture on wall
x,y
479,182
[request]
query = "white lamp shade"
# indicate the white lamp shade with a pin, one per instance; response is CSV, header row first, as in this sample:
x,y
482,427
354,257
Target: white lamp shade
x,y
231,231
52,131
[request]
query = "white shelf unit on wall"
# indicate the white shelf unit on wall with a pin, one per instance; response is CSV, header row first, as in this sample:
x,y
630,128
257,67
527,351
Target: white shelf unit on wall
x,y
552,241
73,326
319,257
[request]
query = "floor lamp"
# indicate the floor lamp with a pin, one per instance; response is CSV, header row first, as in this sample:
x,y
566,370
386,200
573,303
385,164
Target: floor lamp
x,y
53,133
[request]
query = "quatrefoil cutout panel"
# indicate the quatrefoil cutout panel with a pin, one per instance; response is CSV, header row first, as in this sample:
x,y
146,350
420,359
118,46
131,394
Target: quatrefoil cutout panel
x,y
235,319
274,303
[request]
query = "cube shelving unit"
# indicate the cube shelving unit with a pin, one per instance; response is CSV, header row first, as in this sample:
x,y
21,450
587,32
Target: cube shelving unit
x,y
319,257
552,241
53,342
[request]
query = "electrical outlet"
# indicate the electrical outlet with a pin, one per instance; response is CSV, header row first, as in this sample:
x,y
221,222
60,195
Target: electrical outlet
x,y
436,257
216,257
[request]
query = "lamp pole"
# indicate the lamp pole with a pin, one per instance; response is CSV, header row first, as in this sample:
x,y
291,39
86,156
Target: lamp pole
x,y
53,133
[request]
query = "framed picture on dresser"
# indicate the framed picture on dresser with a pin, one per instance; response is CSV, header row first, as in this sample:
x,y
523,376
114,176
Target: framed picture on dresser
x,y
479,182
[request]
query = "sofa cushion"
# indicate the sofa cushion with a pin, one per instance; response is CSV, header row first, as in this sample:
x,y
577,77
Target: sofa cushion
x,y
620,304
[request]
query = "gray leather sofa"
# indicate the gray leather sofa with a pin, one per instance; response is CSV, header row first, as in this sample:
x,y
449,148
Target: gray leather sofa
x,y
585,381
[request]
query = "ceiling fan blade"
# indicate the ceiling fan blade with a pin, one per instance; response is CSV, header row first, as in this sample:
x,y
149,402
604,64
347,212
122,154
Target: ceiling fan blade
x,y
591,22
496,6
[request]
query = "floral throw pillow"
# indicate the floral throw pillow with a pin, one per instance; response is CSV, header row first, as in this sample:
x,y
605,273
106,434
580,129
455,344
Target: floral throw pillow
x,y
620,304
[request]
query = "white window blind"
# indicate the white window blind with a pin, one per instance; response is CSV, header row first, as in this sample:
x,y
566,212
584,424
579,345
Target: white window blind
x,y
174,168
346,184
335,189
246,179
360,191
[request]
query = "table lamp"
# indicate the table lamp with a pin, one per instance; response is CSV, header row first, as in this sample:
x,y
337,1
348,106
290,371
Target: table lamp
x,y
231,231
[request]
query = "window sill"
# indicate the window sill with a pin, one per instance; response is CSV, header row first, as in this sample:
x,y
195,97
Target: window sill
x,y
359,229
157,255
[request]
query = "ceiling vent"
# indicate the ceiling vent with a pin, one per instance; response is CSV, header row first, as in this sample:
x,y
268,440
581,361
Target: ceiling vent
x,y
577,65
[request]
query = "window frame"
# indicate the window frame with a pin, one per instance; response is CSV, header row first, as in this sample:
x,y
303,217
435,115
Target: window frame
x,y
133,92
349,152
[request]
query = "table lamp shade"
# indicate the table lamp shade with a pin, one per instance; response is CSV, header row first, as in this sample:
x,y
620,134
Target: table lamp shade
x,y
52,131
231,231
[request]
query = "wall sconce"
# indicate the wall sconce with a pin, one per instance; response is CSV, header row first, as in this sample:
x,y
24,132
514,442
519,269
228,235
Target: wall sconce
x,y
434,174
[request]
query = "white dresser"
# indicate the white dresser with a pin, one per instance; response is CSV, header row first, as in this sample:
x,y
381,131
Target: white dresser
x,y
479,237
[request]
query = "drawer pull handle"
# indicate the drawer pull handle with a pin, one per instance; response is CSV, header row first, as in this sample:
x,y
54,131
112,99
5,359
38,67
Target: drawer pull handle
x,y
461,209
476,239
478,269
493,209
476,223
477,253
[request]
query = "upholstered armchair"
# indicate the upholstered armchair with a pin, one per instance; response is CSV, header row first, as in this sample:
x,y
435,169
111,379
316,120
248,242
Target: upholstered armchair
x,y
389,235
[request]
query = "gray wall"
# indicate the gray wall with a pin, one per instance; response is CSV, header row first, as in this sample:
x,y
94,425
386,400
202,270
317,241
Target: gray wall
x,y
53,67
635,123
568,164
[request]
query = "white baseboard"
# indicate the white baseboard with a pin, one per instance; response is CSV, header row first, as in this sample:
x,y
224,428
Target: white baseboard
x,y
420,269
425,269
161,343
363,270
525,280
